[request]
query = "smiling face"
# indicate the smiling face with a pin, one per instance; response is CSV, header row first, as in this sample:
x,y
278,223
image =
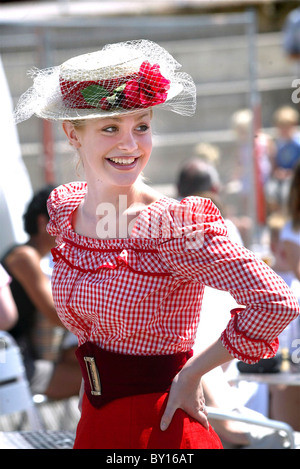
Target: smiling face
x,y
114,150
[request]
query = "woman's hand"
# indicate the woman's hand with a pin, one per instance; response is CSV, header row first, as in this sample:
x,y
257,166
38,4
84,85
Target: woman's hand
x,y
186,393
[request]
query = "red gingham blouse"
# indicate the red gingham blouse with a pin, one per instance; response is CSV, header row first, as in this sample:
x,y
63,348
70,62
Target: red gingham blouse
x,y
143,294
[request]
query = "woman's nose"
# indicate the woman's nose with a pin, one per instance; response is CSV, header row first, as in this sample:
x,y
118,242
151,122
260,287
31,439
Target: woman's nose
x,y
128,142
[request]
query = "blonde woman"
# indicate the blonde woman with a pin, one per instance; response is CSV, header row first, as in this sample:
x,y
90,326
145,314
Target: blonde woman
x,y
131,264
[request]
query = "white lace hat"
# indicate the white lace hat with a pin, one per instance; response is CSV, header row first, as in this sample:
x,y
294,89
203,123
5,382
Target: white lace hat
x,y
120,78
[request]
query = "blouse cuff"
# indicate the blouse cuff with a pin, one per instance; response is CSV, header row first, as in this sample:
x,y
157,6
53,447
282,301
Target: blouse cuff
x,y
243,347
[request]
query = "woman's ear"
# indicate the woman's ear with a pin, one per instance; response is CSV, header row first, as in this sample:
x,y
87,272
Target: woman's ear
x,y
71,134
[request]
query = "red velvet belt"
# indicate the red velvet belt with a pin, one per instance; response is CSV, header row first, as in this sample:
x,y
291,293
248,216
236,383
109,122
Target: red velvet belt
x,y
108,375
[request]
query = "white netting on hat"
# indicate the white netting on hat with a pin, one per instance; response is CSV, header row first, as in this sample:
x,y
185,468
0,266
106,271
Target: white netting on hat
x,y
118,79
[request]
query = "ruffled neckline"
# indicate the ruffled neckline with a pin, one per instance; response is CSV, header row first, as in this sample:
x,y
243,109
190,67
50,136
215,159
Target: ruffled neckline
x,y
112,244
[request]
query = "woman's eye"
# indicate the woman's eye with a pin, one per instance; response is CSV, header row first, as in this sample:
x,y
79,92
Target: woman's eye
x,y
110,129
143,128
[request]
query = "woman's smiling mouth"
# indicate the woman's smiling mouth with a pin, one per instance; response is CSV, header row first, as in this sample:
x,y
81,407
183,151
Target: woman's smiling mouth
x,y
122,162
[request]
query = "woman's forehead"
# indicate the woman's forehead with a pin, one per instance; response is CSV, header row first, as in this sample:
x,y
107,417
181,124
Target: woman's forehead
x,y
137,116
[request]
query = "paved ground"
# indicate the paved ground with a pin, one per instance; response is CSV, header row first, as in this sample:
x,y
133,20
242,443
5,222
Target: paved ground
x,y
57,415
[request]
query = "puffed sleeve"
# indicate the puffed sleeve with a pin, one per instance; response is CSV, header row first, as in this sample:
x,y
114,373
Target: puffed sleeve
x,y
62,201
196,248
52,206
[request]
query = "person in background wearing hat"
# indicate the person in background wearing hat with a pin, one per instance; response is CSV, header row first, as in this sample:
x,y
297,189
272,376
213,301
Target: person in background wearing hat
x,y
130,264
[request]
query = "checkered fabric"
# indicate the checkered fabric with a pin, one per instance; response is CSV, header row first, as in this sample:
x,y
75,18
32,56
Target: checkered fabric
x,y
143,294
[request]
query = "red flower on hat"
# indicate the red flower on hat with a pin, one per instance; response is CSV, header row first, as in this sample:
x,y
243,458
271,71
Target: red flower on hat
x,y
148,88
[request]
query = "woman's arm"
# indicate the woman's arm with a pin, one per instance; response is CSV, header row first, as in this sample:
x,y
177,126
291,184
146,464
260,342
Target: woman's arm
x,y
24,265
8,309
186,390
202,252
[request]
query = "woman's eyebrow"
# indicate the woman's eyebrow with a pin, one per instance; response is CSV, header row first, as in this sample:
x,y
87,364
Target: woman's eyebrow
x,y
146,114
137,117
119,119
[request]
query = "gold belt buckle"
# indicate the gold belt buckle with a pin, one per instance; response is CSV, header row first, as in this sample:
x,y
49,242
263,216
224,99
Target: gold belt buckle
x,y
93,375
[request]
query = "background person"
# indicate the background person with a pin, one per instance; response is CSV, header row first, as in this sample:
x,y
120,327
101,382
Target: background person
x,y
285,400
291,38
285,157
8,308
290,235
198,177
254,150
38,330
31,289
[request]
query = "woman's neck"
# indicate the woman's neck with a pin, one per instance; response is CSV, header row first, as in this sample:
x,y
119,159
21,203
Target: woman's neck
x,y
119,198
110,212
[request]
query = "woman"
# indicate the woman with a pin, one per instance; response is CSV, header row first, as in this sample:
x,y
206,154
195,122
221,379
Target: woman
x,y
131,264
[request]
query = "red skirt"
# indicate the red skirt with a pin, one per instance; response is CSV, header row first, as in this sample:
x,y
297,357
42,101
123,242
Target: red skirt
x,y
133,423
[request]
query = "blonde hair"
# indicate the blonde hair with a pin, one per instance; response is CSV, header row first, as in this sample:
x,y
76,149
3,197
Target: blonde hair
x,y
286,115
275,223
242,119
207,152
77,123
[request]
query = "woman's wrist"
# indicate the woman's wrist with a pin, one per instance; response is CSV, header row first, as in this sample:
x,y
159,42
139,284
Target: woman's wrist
x,y
214,355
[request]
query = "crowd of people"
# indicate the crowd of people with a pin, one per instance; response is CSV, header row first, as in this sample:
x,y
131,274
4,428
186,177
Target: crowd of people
x,y
280,180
